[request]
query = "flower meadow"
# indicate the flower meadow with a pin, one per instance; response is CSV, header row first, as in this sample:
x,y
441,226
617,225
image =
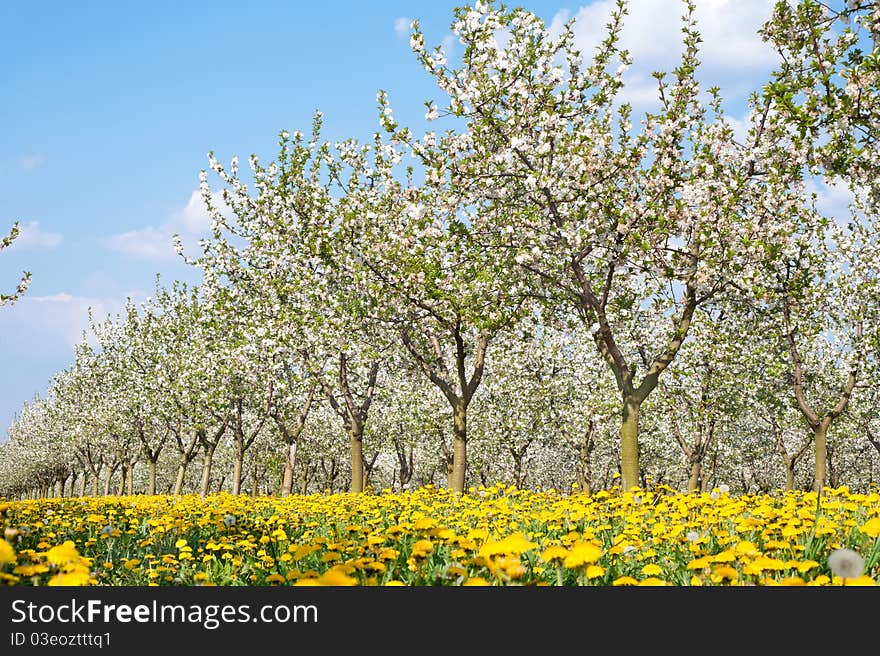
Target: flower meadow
x,y
495,535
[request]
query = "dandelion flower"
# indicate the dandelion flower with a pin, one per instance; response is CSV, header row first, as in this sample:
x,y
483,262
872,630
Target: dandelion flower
x,y
846,563
871,527
66,553
7,553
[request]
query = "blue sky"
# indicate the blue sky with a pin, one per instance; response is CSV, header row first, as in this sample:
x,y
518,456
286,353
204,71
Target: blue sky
x,y
108,110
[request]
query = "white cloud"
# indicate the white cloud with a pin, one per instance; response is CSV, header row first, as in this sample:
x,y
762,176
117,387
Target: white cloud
x,y
52,324
32,237
39,335
401,27
448,44
732,54
740,127
833,198
155,242
147,244
30,162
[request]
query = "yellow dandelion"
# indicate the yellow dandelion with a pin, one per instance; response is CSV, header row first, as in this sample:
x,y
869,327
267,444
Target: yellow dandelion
x,y
652,581
516,543
555,553
63,553
625,580
7,553
422,548
594,571
582,553
77,577
652,569
477,581
871,528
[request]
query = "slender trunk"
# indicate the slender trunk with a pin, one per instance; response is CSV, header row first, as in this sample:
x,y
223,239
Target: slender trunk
x,y
237,467
305,480
629,444
181,475
107,478
355,435
95,483
131,479
289,464
255,480
696,478
123,474
789,477
820,434
206,470
83,483
151,483
517,471
459,449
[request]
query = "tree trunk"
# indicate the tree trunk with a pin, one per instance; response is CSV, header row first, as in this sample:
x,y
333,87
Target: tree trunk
x,y
107,478
206,470
289,464
95,483
255,480
237,466
122,479
789,475
83,483
459,449
131,479
355,435
696,477
517,471
820,434
629,444
151,483
181,476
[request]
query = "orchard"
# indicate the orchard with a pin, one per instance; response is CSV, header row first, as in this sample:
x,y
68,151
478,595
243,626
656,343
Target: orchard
x,y
551,340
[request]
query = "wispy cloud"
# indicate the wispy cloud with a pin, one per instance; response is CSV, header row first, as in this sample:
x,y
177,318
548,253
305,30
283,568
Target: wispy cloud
x,y
731,51
448,44
401,27
155,242
38,339
30,162
32,237
147,244
52,323
833,198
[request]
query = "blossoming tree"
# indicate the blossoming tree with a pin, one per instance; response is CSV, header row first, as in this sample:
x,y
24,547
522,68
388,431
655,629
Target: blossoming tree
x,y
25,281
604,218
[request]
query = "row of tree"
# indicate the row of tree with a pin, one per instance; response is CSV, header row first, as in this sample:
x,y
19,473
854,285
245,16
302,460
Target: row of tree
x,y
541,293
